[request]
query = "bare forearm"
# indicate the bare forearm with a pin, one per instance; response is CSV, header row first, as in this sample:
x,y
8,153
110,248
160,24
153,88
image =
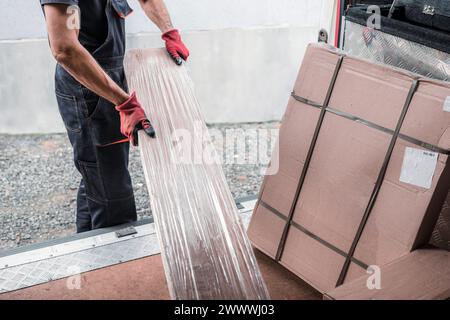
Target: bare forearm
x,y
68,51
83,67
157,12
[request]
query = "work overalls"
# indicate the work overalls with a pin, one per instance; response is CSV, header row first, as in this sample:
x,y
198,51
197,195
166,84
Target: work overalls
x,y
105,195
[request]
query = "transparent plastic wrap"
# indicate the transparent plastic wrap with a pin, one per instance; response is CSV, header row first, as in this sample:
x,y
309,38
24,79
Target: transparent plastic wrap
x,y
378,46
205,249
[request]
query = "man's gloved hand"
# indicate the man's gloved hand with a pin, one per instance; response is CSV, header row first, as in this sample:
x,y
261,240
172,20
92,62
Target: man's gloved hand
x,y
175,46
133,119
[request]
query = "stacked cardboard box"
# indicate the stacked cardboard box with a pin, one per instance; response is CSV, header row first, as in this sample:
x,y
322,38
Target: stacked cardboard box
x,y
364,169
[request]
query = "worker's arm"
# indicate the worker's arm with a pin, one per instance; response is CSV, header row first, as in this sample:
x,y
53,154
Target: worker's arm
x,y
157,12
76,60
68,51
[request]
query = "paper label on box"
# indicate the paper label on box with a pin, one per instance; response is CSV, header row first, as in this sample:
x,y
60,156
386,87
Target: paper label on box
x,y
419,167
447,104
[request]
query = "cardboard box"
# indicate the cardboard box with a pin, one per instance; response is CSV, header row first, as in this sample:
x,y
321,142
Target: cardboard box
x,y
383,139
420,275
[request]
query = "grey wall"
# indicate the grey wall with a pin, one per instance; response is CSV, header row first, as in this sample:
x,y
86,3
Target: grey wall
x,y
22,19
245,57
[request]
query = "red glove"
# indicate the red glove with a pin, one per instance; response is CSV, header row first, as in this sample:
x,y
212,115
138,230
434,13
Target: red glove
x,y
133,119
175,46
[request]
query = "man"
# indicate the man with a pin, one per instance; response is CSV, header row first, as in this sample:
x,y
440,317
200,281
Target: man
x,y
100,116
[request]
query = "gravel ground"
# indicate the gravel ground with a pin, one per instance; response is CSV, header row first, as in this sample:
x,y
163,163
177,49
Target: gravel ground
x,y
38,183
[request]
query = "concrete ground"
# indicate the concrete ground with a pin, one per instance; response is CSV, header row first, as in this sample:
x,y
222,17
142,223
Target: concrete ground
x,y
38,184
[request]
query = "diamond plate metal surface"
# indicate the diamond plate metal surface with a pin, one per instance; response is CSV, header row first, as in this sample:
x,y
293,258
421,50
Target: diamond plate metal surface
x,y
42,271
441,234
377,46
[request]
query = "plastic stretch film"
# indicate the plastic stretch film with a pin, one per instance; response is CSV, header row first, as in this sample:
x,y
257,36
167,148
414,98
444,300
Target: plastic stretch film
x,y
205,249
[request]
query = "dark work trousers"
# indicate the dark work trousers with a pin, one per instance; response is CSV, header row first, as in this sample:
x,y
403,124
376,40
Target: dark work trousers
x,y
105,195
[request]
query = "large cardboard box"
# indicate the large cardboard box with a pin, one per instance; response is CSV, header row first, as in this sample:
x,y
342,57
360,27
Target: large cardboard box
x,y
421,275
364,169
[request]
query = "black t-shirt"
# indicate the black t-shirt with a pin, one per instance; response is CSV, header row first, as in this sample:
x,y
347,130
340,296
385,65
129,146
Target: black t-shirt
x,y
94,22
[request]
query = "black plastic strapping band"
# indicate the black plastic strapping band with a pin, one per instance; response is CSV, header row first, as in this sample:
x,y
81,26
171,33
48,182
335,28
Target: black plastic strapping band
x,y
312,235
328,245
348,116
308,159
378,184
273,210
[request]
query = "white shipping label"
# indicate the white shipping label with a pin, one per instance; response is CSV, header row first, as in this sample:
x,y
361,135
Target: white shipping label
x,y
418,167
447,104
